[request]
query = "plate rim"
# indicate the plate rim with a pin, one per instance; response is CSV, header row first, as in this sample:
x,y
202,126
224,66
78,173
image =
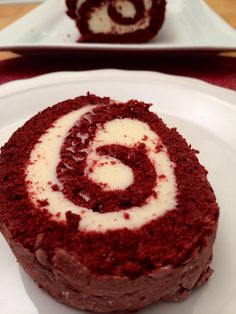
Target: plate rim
x,y
12,87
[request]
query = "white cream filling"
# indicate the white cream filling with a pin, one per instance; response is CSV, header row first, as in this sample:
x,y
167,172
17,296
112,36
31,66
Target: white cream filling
x,y
79,3
100,21
125,8
109,171
147,4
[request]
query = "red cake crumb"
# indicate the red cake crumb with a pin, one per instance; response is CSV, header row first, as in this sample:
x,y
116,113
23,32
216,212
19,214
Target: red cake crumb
x,y
126,216
72,221
43,203
55,187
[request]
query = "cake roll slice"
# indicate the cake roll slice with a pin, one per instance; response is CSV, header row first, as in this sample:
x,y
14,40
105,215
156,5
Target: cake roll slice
x,y
105,207
117,21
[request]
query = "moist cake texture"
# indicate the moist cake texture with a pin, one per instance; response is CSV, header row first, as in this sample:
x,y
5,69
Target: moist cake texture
x,y
106,207
117,21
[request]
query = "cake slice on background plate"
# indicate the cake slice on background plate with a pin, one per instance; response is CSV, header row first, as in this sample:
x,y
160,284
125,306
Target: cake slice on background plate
x,y
117,21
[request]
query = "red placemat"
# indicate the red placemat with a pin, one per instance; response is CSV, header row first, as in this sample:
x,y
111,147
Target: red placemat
x,y
216,70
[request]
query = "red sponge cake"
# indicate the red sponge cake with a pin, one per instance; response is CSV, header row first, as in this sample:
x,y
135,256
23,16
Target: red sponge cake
x,y
117,21
106,207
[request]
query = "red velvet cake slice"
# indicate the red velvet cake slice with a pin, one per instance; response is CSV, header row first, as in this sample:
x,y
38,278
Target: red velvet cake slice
x,y
117,21
106,207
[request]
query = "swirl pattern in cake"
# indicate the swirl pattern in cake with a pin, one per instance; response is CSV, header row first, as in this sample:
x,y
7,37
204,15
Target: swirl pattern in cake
x,y
127,21
106,207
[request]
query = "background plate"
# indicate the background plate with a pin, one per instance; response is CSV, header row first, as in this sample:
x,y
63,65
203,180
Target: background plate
x,y
204,114
189,25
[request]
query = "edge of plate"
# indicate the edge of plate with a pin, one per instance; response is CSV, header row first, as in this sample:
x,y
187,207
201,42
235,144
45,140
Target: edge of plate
x,y
105,47
49,79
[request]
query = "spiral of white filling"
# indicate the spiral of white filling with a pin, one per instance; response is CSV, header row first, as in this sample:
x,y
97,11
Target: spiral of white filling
x,y
110,172
101,22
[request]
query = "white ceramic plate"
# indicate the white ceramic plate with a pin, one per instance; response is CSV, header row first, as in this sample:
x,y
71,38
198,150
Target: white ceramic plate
x,y
204,114
189,26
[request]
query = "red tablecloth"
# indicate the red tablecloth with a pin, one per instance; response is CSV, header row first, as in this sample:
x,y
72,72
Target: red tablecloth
x,y
216,70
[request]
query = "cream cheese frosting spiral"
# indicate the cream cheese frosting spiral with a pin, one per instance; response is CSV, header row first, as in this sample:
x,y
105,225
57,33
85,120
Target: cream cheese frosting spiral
x,y
104,170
